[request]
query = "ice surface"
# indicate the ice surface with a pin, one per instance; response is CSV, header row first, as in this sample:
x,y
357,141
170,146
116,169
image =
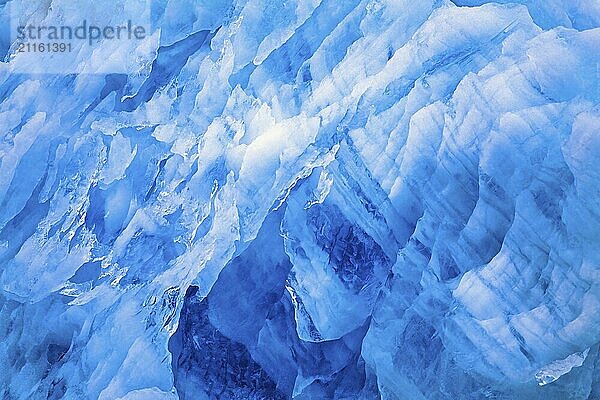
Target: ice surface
x,y
558,368
315,199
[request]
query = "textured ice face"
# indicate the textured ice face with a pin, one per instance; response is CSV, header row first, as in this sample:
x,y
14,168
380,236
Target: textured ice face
x,y
311,199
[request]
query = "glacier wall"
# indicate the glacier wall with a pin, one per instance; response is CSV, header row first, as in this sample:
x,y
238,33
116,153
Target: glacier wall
x,y
315,199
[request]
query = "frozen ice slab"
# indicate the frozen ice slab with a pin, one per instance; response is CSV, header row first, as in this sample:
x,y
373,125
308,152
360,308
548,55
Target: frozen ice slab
x,y
313,199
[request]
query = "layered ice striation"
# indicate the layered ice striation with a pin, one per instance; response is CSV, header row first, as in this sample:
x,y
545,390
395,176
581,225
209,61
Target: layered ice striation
x,y
312,199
